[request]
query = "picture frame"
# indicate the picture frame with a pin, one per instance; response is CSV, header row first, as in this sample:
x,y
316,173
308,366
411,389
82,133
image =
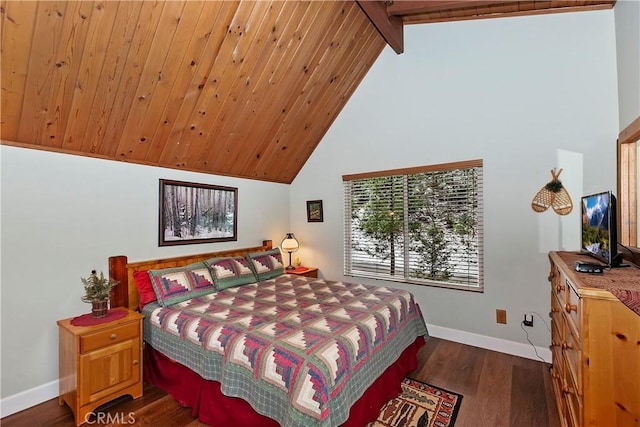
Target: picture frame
x,y
196,213
314,211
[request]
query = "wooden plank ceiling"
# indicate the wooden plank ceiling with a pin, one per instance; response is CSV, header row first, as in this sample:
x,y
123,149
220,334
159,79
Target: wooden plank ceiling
x,y
237,88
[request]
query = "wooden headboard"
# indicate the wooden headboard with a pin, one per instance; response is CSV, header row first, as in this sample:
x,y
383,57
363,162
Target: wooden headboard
x,y
125,294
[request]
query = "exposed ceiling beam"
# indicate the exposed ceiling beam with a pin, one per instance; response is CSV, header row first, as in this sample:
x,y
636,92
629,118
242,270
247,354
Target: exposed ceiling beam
x,y
389,27
416,7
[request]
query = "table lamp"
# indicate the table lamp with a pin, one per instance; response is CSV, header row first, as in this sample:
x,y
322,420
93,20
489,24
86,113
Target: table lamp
x,y
290,244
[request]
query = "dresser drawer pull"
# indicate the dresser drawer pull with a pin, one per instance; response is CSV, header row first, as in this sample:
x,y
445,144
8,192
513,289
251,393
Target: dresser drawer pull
x,y
559,288
113,336
555,344
566,345
570,307
135,362
568,390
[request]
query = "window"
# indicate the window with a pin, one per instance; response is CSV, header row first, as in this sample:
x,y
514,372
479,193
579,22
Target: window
x,y
421,225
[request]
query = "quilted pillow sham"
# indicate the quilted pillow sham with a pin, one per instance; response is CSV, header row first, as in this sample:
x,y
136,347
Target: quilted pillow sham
x,y
174,285
266,265
230,272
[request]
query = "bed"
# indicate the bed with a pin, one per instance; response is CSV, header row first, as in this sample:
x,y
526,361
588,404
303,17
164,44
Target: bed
x,y
248,344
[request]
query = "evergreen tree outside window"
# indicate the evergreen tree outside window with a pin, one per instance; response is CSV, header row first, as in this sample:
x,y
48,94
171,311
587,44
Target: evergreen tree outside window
x,y
420,225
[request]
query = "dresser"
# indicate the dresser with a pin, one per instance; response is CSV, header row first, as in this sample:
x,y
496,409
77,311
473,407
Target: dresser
x,y
100,362
595,344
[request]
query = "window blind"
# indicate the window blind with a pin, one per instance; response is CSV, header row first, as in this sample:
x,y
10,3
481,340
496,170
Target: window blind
x,y
419,225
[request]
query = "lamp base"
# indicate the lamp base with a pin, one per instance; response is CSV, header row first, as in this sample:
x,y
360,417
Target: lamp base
x,y
290,267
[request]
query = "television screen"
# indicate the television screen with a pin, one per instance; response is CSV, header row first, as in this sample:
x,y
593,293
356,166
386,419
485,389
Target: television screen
x,y
599,233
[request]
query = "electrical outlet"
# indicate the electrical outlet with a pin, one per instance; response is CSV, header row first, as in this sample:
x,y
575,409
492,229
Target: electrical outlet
x,y
501,316
528,322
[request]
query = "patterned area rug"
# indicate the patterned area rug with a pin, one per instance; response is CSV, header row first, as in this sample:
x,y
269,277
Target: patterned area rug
x,y
420,405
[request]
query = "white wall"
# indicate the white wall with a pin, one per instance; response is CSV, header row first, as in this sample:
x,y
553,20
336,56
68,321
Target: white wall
x,y
524,94
627,18
63,216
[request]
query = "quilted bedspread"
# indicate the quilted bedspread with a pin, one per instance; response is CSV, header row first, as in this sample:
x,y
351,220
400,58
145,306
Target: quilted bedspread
x,y
299,350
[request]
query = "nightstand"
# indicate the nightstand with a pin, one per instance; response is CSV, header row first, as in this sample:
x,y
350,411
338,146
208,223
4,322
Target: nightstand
x,y
304,271
99,362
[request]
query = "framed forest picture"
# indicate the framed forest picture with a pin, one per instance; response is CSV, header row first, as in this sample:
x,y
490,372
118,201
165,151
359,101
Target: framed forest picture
x,y
196,213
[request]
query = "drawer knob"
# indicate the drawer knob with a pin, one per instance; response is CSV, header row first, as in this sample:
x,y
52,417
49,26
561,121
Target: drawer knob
x,y
555,344
135,362
566,345
113,336
558,288
567,390
570,307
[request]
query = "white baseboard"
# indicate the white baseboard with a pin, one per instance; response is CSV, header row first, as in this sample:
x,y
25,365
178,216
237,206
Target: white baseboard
x,y
490,343
28,398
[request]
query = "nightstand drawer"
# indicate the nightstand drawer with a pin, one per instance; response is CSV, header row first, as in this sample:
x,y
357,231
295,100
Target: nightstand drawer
x,y
108,337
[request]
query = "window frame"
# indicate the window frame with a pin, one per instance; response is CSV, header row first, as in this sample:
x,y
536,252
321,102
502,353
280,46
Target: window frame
x,y
404,276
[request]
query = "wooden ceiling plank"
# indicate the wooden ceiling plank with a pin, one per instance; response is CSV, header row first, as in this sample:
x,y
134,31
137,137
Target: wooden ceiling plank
x,y
352,64
301,121
328,104
234,85
215,91
65,74
175,75
281,81
389,26
152,74
367,55
90,72
18,21
136,56
200,54
287,69
110,79
180,111
301,68
250,87
46,34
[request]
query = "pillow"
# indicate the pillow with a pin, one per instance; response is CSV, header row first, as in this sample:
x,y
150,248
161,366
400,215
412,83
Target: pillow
x,y
174,285
266,265
230,272
146,294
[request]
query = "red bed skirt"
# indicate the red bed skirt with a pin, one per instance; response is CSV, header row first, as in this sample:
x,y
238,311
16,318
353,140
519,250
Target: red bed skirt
x,y
215,409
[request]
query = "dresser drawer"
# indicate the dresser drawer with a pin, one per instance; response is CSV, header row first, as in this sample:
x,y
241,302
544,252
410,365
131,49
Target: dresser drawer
x,y
108,337
573,400
572,356
558,285
573,308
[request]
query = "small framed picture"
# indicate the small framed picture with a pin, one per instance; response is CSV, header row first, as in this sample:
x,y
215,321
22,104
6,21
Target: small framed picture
x,y
314,211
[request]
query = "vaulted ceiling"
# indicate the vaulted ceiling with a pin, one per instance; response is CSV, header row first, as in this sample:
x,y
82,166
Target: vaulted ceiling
x,y
238,88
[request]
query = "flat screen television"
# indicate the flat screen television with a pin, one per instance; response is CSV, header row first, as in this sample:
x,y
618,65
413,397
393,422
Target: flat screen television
x,y
599,228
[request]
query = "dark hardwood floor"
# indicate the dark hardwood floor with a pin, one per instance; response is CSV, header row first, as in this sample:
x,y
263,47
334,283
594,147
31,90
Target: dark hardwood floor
x,y
498,389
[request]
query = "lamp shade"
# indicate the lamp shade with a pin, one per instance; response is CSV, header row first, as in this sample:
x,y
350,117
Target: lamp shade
x,y
290,243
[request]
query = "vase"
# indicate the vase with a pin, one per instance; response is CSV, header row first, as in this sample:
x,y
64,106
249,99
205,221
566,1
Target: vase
x,y
99,309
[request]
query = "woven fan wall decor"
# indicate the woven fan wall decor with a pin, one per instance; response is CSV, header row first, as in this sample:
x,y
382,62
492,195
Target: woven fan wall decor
x,y
553,194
